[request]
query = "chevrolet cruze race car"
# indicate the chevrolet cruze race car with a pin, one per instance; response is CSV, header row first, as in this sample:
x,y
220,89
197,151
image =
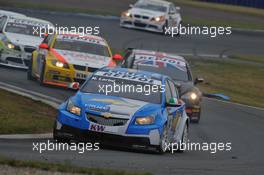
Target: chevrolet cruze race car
x,y
171,65
151,15
66,59
141,111
18,39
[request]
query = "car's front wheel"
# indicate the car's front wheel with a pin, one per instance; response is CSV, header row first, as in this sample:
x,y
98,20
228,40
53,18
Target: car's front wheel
x,y
59,139
29,71
164,140
184,139
42,74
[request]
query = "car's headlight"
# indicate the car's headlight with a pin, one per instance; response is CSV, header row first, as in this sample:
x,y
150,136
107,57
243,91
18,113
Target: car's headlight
x,y
127,14
60,64
191,96
158,19
12,46
147,120
73,109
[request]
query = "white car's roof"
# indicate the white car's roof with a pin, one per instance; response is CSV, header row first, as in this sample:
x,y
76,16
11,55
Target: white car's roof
x,y
10,13
159,2
29,19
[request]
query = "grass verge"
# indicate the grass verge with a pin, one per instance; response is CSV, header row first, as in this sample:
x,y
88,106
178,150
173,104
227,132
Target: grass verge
x,y
21,115
222,7
242,82
250,58
64,168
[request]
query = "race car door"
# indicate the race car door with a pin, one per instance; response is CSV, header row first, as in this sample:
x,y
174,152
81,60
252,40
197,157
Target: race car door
x,y
174,111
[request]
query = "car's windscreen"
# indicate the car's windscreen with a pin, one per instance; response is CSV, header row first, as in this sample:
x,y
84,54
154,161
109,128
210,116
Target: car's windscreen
x,y
82,46
22,28
173,72
149,6
123,88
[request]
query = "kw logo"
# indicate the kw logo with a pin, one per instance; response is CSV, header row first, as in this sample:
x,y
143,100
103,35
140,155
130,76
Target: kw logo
x,y
97,128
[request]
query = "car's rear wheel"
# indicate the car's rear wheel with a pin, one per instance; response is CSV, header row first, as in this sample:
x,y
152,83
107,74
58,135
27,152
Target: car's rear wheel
x,y
164,141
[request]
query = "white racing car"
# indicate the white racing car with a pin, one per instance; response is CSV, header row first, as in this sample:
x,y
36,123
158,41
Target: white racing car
x,y
10,13
18,39
151,15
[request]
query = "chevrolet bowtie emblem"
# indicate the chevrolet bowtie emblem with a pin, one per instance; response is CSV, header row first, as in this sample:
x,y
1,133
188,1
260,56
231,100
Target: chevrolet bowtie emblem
x,y
107,115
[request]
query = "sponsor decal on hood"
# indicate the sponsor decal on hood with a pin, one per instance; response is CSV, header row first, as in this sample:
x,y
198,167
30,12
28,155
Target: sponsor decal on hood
x,y
122,107
20,39
146,12
84,59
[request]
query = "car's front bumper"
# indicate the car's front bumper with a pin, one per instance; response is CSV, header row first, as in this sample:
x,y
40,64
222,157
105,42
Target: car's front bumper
x,y
142,24
69,126
17,59
63,77
71,133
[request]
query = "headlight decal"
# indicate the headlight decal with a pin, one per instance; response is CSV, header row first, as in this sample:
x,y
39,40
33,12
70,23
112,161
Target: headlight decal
x,y
73,108
147,120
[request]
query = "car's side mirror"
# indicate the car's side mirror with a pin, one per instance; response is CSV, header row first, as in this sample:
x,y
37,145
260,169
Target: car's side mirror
x,y
173,102
198,80
117,57
44,46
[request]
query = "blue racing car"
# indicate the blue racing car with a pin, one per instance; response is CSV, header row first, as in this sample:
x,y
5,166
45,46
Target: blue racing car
x,y
124,107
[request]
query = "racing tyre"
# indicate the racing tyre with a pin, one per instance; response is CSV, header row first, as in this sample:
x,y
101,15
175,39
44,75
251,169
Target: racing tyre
x,y
29,71
163,140
164,27
42,74
184,139
57,138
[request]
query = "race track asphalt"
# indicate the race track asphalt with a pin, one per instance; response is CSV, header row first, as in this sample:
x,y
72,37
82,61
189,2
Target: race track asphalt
x,y
221,122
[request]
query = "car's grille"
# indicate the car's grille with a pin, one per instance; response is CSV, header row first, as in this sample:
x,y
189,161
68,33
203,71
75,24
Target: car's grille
x,y
83,68
91,69
27,62
106,121
78,67
137,24
29,49
15,60
139,17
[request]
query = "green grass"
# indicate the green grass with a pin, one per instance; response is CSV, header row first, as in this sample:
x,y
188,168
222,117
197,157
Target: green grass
x,y
250,58
64,168
222,7
223,23
242,82
20,115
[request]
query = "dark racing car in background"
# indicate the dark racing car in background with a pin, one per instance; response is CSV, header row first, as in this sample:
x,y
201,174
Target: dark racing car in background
x,y
171,65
